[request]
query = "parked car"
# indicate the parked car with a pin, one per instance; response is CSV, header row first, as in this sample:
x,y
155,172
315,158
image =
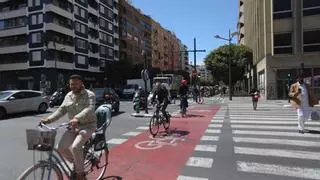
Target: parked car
x,y
107,96
15,101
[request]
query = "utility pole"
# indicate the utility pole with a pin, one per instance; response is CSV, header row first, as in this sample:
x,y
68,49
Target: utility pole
x,y
195,50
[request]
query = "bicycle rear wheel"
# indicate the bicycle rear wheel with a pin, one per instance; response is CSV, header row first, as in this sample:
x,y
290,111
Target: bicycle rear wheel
x,y
154,126
40,171
95,163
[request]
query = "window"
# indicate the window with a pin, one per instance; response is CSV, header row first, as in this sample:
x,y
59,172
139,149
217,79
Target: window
x,y
110,14
36,55
110,52
283,43
81,28
282,9
311,7
102,23
36,37
81,44
103,50
110,26
102,9
80,12
36,19
81,59
311,41
33,3
12,23
110,39
106,37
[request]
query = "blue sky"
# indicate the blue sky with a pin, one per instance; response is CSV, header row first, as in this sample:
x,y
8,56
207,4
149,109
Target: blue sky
x,y
201,19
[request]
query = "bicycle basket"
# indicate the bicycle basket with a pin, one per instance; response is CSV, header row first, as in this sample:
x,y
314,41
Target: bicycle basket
x,y
40,140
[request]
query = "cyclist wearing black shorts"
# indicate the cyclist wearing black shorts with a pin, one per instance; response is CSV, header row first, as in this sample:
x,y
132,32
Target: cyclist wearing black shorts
x,y
161,95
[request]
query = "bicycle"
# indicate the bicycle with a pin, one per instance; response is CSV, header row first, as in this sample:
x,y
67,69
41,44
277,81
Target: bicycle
x,y
95,150
157,119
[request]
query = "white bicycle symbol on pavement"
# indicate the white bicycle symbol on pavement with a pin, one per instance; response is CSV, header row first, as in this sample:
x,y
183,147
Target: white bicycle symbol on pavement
x,y
156,143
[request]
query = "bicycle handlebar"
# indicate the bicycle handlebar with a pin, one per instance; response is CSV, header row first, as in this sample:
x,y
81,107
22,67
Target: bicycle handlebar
x,y
41,124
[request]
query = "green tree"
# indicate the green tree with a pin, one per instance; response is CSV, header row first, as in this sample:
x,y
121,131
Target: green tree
x,y
217,62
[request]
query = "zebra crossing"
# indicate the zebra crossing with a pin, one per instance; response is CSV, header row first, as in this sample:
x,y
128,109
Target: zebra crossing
x,y
266,143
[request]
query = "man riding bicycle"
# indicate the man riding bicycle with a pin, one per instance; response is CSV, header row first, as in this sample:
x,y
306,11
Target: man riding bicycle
x,y
79,103
161,94
183,92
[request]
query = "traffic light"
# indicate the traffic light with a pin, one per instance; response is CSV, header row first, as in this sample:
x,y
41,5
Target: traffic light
x,y
289,80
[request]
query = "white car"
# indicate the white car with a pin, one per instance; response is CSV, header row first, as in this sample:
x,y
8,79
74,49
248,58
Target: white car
x,y
15,101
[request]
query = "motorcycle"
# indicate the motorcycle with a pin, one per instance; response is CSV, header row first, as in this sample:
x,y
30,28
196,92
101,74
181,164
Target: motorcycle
x,y
56,99
139,101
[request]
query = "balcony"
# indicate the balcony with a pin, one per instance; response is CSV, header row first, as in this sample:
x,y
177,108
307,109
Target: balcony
x,y
67,48
13,49
59,28
13,31
22,11
58,10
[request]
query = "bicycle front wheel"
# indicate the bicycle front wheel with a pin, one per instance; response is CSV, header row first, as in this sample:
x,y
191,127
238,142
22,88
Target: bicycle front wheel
x,y
154,125
42,171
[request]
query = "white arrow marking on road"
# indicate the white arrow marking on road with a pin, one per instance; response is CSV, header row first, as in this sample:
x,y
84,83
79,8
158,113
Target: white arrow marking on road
x,y
210,138
200,162
298,172
277,141
206,148
275,133
190,178
278,153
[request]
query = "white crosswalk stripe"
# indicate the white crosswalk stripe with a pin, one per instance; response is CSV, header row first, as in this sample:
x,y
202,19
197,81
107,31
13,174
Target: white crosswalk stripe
x,y
272,135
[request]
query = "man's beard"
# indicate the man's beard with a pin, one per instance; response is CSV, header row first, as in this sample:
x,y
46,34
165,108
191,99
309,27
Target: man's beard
x,y
77,90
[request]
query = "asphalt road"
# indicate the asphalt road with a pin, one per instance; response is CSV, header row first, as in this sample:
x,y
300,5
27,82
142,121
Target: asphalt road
x,y
14,156
229,141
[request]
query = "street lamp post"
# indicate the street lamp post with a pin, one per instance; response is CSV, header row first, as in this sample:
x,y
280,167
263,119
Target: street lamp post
x,y
231,35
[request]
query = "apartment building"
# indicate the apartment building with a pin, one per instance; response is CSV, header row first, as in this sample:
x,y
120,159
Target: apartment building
x,y
167,49
135,34
284,36
42,42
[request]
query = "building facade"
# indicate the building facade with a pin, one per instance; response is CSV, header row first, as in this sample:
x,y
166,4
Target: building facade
x,y
166,49
135,34
42,42
285,37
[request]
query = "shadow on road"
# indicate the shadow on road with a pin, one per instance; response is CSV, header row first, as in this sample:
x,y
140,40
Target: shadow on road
x,y
314,132
118,113
194,115
113,178
23,114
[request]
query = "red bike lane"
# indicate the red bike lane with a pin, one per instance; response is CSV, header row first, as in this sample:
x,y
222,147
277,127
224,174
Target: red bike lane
x,y
145,158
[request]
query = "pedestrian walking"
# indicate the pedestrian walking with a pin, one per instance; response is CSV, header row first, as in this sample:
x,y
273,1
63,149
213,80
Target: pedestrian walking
x,y
303,99
255,94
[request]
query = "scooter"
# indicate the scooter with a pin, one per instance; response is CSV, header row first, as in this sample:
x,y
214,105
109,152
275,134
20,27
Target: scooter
x,y
56,99
138,102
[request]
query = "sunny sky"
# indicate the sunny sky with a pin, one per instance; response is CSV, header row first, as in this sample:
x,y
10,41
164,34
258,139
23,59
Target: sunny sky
x,y
200,19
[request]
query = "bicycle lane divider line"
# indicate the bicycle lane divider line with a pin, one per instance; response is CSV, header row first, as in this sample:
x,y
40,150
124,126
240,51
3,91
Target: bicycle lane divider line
x,y
143,157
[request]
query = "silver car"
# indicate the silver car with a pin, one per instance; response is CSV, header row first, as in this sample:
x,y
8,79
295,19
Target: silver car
x,y
15,101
